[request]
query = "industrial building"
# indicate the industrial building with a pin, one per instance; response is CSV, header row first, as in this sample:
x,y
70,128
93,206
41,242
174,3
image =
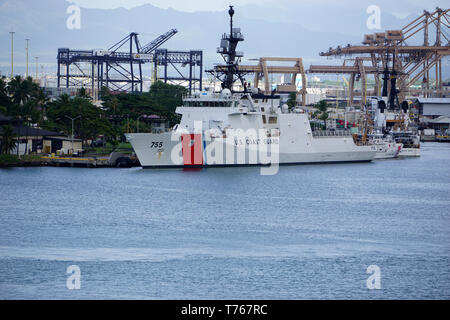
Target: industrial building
x,y
433,106
34,140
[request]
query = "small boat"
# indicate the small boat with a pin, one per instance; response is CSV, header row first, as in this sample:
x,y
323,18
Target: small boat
x,y
386,146
410,141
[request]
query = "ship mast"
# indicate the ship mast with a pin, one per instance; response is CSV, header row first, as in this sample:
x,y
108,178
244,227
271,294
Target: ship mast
x,y
229,72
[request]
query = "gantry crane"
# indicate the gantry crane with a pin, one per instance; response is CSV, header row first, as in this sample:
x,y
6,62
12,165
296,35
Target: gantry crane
x,y
113,68
390,54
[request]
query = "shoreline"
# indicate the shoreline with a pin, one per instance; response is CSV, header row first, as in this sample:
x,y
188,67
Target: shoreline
x,y
12,161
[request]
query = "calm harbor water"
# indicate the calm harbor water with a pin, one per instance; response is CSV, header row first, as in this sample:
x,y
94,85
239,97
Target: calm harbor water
x,y
309,232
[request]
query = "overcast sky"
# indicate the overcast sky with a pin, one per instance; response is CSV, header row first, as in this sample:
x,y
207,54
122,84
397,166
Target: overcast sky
x,y
397,7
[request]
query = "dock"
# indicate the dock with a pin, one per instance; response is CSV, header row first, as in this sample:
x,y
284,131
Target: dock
x,y
88,162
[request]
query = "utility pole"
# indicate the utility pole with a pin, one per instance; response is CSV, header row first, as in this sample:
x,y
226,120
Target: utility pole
x,y
43,76
28,47
12,54
37,58
73,120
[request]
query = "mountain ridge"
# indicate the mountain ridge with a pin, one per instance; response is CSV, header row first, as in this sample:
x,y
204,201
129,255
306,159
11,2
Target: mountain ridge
x,y
44,22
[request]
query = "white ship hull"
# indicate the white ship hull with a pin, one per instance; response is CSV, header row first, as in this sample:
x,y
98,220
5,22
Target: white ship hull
x,y
410,152
167,150
388,150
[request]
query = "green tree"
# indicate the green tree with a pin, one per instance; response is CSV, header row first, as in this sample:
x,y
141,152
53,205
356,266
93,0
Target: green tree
x,y
104,93
8,142
82,94
93,121
22,90
22,98
162,100
5,100
292,101
322,112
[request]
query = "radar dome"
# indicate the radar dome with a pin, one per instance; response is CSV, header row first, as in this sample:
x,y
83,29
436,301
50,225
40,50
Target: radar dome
x,y
226,93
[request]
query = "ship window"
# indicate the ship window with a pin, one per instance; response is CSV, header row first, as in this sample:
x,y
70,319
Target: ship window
x,y
262,109
264,118
272,120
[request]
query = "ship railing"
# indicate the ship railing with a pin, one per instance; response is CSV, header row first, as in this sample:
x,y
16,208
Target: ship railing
x,y
331,133
362,143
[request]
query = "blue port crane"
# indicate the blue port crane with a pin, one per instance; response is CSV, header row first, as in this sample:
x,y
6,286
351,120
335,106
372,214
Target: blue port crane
x,y
113,68
152,46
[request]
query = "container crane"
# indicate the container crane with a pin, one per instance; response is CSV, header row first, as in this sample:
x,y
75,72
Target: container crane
x,y
113,68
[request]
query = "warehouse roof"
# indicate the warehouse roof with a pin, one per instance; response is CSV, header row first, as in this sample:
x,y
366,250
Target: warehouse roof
x,y
434,100
23,131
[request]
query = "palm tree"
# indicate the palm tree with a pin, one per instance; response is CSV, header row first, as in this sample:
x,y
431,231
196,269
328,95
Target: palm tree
x,y
41,101
22,90
8,142
5,101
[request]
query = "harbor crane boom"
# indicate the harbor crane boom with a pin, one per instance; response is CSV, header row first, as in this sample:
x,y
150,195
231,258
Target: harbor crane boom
x,y
152,46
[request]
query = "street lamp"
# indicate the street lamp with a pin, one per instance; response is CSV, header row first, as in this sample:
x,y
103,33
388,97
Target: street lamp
x,y
28,41
73,120
12,54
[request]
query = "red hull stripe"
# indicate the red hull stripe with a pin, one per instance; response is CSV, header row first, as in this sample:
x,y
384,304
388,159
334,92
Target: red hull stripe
x,y
191,145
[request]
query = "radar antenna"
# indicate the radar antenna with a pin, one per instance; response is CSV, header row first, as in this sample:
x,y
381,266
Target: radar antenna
x,y
230,72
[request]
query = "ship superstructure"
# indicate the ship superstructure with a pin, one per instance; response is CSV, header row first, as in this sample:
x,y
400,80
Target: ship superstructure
x,y
230,128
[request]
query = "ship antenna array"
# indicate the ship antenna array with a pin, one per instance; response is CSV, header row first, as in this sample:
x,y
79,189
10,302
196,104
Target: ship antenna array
x,y
230,72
